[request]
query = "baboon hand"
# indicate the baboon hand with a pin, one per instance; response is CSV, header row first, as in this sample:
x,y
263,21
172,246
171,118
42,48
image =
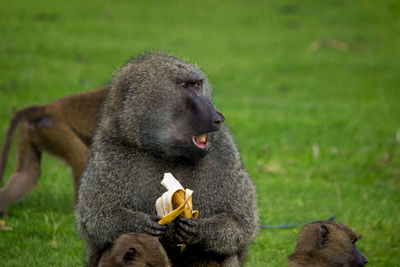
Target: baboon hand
x,y
153,227
188,230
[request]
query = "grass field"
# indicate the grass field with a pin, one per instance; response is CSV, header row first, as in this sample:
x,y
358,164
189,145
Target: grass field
x,y
311,92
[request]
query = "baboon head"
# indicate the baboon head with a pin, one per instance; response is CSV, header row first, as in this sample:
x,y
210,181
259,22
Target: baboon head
x,y
162,105
332,241
136,250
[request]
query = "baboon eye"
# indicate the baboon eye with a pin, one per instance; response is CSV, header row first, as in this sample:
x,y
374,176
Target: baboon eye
x,y
184,85
129,256
198,85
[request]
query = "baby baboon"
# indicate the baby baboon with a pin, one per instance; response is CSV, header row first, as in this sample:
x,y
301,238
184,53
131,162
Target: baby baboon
x,y
157,117
327,244
135,250
63,127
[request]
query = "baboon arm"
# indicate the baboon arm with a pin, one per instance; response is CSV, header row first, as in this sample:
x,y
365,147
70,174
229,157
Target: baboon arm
x,y
103,227
233,229
223,234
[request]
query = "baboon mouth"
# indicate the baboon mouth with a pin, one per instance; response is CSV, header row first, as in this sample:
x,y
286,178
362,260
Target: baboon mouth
x,y
201,141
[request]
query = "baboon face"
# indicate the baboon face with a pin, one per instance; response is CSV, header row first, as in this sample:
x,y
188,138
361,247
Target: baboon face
x,y
341,245
334,241
136,250
166,107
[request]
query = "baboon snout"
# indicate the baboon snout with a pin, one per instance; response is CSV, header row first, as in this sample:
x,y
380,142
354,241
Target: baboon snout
x,y
204,116
218,119
364,259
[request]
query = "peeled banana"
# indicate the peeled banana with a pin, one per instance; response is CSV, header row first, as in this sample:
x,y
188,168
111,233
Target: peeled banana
x,y
175,201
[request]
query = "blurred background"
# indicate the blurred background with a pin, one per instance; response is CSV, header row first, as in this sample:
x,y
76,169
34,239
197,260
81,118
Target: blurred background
x,y
310,90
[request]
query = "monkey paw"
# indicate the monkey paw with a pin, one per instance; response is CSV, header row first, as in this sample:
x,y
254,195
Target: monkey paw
x,y
187,230
154,228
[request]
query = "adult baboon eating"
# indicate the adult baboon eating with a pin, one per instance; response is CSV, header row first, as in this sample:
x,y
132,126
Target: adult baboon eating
x,y
158,118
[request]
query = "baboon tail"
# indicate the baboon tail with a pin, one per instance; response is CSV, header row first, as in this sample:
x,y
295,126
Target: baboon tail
x,y
27,113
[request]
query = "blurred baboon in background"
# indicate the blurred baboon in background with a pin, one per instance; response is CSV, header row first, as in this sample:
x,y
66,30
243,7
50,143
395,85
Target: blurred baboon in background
x,y
327,244
63,128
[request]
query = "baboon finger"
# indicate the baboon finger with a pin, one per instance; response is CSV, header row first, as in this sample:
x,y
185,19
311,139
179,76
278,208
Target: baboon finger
x,y
156,229
155,218
187,229
192,222
159,227
156,233
189,226
184,237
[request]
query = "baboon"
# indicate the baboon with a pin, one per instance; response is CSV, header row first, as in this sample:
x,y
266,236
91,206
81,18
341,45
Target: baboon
x,y
63,127
157,117
327,244
135,250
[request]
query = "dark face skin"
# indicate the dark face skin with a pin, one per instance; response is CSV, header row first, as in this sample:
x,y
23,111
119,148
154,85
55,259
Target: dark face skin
x,y
357,259
197,117
179,119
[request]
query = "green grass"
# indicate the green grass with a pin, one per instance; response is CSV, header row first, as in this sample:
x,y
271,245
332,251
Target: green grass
x,y
279,97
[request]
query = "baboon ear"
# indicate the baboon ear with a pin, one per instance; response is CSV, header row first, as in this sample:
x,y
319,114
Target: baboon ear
x,y
323,236
129,256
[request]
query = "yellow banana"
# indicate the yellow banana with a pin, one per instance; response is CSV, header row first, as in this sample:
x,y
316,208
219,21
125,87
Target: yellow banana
x,y
172,215
176,201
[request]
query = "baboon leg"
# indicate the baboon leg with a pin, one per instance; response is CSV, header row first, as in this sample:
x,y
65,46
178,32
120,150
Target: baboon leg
x,y
228,261
232,261
76,155
63,142
27,173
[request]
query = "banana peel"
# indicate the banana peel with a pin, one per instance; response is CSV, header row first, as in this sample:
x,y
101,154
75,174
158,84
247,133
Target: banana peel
x,y
173,214
175,201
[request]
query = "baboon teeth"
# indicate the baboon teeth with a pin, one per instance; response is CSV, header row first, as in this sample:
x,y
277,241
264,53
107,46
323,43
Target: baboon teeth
x,y
201,140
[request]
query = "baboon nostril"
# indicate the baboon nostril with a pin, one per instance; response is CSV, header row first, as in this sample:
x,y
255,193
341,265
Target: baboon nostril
x,y
217,120
220,118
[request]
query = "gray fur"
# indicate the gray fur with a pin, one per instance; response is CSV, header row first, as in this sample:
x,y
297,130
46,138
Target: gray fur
x,y
135,144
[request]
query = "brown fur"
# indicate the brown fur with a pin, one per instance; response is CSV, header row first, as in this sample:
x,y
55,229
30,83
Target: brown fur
x,y
327,244
135,250
63,128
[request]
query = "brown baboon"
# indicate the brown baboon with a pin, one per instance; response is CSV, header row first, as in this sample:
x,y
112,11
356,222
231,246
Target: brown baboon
x,y
63,127
135,250
327,244
157,117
